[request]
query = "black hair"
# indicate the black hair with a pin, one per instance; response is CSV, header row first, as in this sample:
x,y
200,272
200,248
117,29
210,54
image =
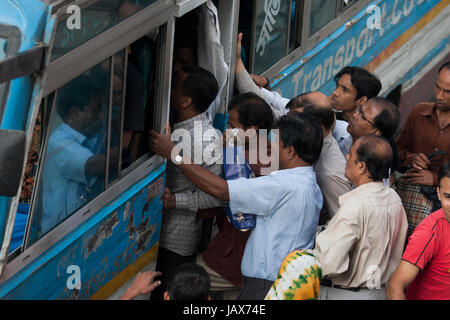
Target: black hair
x,y
78,94
324,115
376,153
444,172
201,86
304,133
446,65
387,122
189,281
252,111
366,83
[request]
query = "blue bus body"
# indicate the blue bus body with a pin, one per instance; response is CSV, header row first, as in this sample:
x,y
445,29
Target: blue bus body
x,y
110,247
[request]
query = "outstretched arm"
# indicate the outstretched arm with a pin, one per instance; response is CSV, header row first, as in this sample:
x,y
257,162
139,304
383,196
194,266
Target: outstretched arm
x,y
202,178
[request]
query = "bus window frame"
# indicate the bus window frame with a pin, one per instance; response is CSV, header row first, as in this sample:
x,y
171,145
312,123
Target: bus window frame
x,y
129,176
12,34
90,53
303,42
307,41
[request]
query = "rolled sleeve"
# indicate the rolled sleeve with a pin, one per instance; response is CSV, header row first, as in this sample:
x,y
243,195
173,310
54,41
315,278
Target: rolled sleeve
x,y
254,196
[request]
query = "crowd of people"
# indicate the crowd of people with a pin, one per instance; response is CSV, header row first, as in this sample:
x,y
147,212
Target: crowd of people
x,y
355,209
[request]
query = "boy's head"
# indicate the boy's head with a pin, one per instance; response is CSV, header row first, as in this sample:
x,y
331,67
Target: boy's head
x,y
443,189
354,86
188,282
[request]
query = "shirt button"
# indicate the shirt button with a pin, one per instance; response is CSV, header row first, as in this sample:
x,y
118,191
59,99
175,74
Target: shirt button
x,y
442,132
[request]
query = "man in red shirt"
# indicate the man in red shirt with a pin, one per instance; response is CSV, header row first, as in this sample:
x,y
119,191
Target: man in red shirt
x,y
425,267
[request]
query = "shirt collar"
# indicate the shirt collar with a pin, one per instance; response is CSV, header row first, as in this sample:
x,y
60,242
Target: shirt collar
x,y
429,110
77,136
189,123
295,170
367,188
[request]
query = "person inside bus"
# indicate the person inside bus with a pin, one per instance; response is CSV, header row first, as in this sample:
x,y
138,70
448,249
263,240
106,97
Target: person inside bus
x,y
424,269
188,282
363,243
193,90
223,256
75,155
330,168
424,146
286,203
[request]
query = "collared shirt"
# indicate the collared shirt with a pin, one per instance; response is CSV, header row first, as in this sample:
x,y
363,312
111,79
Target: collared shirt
x,y
287,205
64,175
343,138
181,228
330,171
363,244
422,134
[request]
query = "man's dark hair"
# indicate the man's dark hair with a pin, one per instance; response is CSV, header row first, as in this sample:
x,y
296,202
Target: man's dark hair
x,y
324,115
304,133
376,153
189,281
366,83
387,122
77,94
389,118
446,65
444,172
201,86
252,111
299,101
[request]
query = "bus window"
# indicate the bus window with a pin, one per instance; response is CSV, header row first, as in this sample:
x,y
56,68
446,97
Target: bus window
x,y
73,162
3,47
95,19
271,34
94,135
322,12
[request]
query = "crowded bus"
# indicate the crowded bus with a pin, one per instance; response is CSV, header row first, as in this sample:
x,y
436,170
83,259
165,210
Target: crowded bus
x,y
94,95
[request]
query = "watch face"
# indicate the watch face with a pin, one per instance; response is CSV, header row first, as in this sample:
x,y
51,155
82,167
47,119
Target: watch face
x,y
178,159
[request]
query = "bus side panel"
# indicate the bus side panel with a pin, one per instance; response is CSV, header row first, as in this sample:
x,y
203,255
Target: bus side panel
x,y
354,44
106,254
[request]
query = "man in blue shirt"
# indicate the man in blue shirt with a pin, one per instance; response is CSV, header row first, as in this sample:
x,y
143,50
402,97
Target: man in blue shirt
x,y
287,202
73,164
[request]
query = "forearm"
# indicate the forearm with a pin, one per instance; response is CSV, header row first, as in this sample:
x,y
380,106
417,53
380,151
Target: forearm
x,y
196,200
205,180
395,291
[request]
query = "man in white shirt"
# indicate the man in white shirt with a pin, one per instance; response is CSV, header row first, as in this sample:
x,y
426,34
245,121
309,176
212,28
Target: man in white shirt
x,y
362,245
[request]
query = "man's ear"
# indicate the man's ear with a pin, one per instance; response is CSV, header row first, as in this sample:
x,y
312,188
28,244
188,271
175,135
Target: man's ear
x,y
362,167
361,100
185,102
438,193
166,295
291,153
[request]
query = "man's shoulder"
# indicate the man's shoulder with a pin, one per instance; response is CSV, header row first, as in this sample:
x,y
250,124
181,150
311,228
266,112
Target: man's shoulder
x,y
433,221
421,108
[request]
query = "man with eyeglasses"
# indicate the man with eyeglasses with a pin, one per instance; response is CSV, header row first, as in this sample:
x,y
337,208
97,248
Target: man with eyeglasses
x,y
424,146
380,117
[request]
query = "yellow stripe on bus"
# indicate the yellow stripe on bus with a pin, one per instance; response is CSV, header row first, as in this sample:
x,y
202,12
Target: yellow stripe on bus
x,y
129,272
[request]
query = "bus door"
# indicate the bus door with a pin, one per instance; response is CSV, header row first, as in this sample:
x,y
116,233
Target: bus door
x,y
92,191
